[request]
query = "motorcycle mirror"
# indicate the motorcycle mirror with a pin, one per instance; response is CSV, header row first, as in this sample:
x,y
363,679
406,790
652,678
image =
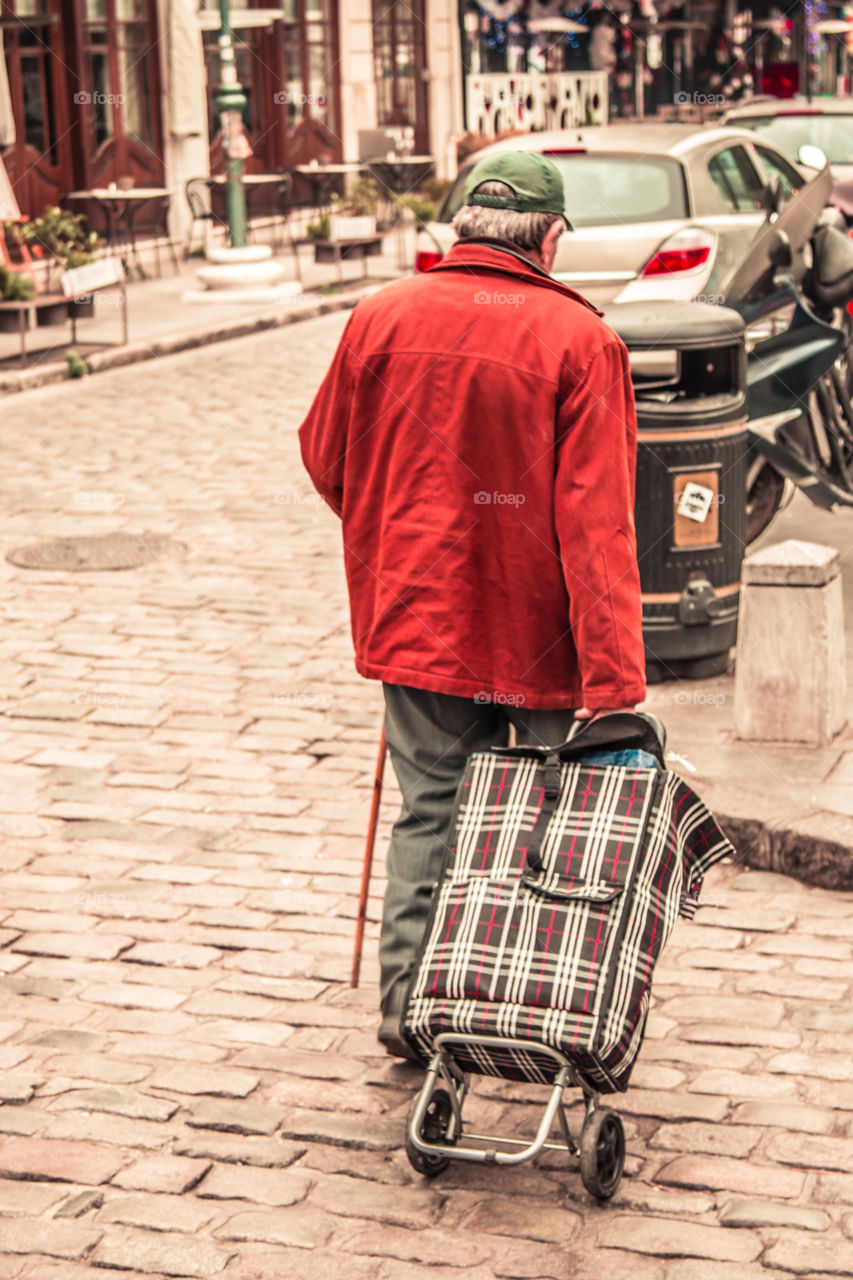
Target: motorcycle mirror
x,y
779,250
812,157
771,196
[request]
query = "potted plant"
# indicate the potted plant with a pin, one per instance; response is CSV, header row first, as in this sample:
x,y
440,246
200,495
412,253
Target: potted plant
x,y
57,236
353,216
15,287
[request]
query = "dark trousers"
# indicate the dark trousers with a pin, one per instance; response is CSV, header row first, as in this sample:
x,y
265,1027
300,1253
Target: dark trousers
x,y
430,736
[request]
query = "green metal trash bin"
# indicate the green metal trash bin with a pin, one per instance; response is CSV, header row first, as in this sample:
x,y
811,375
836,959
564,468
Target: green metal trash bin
x,y
688,366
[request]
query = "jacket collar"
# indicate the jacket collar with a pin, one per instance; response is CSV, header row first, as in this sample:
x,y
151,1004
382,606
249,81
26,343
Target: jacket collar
x,y
499,256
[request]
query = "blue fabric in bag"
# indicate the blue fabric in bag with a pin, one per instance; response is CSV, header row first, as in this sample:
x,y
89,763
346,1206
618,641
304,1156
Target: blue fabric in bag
x,y
632,759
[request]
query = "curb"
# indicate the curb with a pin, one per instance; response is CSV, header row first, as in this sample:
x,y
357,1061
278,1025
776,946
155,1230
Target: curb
x,y
135,352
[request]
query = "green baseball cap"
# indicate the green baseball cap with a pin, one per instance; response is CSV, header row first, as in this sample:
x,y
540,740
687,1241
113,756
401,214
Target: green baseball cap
x,y
536,181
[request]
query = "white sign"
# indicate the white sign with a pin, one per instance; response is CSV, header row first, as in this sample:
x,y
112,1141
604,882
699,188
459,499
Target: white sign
x,y
695,502
92,276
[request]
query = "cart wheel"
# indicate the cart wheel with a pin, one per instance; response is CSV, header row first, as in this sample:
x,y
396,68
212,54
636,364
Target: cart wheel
x,y
602,1153
439,1113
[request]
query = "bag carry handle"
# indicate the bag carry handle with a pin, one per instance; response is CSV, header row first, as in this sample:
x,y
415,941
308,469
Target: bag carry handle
x,y
616,731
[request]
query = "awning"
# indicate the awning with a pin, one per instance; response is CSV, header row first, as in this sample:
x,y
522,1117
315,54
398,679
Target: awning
x,y
187,89
7,117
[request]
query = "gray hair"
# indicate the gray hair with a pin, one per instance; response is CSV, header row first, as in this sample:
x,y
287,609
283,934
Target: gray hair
x,y
524,230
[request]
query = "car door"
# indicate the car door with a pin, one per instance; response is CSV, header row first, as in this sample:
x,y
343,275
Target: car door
x,y
729,193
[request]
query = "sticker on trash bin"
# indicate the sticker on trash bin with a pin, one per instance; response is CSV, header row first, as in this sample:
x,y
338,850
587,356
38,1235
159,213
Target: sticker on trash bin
x,y
695,502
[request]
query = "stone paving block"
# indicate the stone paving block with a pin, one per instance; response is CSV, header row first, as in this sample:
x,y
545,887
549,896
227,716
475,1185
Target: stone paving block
x,y
18,1121
258,1262
171,954
18,1087
741,1085
169,1174
77,1206
233,1031
157,1213
804,1064
750,918
69,1038
93,946
267,1153
121,1102
670,1237
804,1253
234,1117
44,1158
345,1131
791,986
133,995
146,1046
721,1009
434,1248
784,1115
704,1269
808,1151
161,1253
717,1173
529,1219
706,1033
312,1066
55,1239
98,1068
301,1227
712,1139
220,1082
376,1166
28,1199
769,1213
266,1186
101,1127
671,1106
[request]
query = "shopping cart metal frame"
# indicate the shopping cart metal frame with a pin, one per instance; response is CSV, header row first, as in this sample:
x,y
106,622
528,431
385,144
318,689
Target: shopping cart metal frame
x,y
435,1129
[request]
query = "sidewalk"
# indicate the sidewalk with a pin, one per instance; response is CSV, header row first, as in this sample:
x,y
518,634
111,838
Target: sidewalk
x,y
161,322
189,1086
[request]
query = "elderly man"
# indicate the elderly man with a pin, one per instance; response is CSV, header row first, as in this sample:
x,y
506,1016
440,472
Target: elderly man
x,y
476,434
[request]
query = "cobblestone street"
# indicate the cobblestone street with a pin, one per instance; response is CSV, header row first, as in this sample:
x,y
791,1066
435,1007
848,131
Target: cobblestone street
x,y
189,1086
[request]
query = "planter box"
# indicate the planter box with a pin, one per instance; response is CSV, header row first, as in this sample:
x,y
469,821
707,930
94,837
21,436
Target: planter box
x,y
352,228
10,321
81,310
52,313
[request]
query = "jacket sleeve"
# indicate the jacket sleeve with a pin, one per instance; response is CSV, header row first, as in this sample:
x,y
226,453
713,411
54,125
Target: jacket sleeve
x,y
594,515
323,436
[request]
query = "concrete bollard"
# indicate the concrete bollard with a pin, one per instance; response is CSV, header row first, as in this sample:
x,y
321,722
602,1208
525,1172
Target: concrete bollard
x,y
791,673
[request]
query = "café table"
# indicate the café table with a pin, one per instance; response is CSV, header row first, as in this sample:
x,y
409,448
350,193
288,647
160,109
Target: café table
x,y
120,206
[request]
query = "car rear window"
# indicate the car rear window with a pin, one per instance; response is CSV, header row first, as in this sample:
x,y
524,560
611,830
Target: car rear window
x,y
832,133
603,189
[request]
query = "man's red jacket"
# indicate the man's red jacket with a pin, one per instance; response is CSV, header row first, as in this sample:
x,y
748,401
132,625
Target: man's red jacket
x,y
476,433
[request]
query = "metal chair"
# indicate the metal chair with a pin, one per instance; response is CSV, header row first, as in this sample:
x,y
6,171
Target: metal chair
x,y
284,206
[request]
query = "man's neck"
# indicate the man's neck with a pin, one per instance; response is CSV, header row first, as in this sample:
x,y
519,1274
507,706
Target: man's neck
x,y
506,246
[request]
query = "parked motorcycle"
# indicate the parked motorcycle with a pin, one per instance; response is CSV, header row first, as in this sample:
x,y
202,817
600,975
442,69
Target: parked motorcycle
x,y
792,288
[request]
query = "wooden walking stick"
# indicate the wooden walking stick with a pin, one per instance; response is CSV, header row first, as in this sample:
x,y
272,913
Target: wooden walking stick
x,y
373,823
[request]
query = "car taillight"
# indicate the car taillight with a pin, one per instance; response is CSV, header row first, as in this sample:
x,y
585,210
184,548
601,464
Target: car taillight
x,y
685,251
427,258
666,261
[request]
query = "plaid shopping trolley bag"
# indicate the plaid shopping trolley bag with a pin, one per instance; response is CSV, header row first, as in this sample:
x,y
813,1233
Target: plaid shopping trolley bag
x,y
562,881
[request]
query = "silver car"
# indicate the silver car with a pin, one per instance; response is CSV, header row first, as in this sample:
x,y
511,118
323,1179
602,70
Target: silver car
x,y
658,210
798,125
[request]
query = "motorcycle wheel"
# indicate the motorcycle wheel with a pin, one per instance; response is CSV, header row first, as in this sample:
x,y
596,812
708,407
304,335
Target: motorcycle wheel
x,y
764,498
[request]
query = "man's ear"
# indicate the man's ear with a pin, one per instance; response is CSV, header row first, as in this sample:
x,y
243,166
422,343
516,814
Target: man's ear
x,y
549,244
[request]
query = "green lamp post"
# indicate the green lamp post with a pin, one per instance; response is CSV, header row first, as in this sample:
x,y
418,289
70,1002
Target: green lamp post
x,y
230,102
